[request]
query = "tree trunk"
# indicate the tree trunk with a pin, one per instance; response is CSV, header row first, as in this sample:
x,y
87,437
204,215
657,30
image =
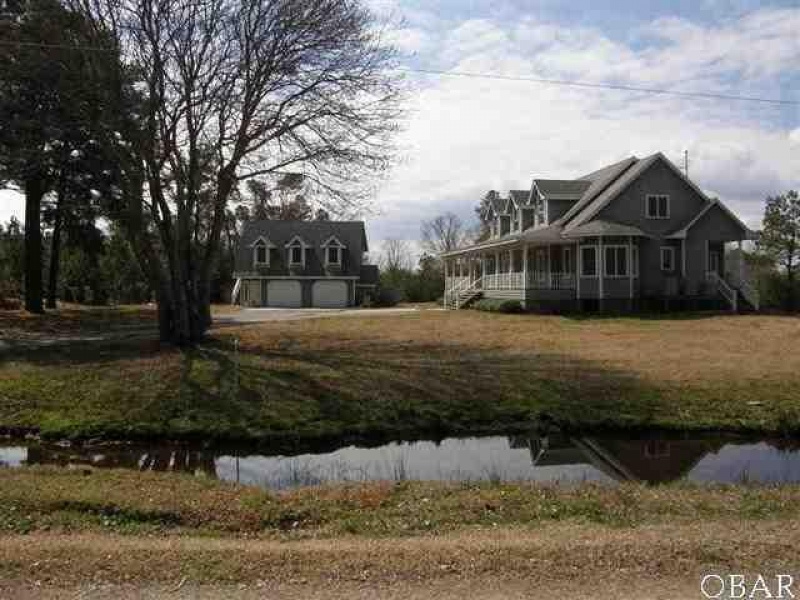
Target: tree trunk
x,y
34,191
55,251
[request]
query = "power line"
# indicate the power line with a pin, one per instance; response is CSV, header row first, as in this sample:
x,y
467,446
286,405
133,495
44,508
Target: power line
x,y
540,80
607,86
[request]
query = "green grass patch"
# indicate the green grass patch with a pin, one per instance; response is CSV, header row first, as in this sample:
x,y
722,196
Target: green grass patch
x,y
129,502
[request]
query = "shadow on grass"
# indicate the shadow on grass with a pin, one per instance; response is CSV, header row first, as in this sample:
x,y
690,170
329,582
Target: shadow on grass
x,y
390,389
374,389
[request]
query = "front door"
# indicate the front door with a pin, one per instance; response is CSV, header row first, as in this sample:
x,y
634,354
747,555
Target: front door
x,y
713,261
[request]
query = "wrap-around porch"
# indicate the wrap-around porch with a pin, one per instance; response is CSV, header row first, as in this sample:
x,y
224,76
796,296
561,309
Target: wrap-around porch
x,y
591,268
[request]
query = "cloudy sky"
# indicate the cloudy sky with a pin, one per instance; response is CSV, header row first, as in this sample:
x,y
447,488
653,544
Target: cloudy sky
x,y
464,136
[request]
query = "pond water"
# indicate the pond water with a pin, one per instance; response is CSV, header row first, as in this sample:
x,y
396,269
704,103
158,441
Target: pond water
x,y
554,458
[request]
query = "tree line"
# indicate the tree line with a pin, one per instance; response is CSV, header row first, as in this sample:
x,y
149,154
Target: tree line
x,y
155,117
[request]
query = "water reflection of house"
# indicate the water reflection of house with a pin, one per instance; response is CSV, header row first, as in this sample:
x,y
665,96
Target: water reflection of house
x,y
126,456
654,460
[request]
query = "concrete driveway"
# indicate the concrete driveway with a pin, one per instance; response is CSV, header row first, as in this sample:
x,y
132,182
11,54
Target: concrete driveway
x,y
264,315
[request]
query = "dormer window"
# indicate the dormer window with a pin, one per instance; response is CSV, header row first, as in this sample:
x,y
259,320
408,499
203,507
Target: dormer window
x,y
297,252
261,248
333,248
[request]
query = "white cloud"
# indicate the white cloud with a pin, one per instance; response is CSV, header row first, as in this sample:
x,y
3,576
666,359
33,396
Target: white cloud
x,y
466,136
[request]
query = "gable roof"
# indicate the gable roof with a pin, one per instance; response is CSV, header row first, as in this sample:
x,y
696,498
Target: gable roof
x,y
681,233
599,181
613,189
562,189
519,197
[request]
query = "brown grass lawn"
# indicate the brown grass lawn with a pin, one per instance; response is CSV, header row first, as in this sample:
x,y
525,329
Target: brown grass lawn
x,y
413,374
66,527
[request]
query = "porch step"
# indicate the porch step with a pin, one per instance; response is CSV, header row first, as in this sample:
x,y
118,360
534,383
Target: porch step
x,y
465,298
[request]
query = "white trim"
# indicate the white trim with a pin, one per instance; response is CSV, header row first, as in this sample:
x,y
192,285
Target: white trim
x,y
294,239
627,263
258,245
338,261
291,245
580,254
601,270
332,240
671,251
657,216
263,239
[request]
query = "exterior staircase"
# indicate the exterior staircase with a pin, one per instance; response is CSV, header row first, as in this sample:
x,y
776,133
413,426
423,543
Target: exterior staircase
x,y
461,295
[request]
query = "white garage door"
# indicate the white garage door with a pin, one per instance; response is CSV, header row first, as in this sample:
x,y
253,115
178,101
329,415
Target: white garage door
x,y
330,294
285,294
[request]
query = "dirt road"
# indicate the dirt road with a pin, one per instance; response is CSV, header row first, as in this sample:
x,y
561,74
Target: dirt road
x,y
558,561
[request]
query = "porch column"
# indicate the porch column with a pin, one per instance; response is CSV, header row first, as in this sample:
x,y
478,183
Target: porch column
x,y
496,269
578,270
630,266
549,268
525,266
510,261
483,266
600,269
741,263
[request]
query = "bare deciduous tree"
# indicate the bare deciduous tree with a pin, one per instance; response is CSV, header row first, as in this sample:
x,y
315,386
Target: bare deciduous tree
x,y
240,89
396,255
443,233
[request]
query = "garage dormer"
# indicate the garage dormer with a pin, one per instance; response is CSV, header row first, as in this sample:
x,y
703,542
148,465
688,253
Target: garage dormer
x,y
262,248
296,252
333,252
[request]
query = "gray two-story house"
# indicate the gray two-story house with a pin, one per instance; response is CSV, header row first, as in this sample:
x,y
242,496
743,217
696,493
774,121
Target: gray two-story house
x,y
635,231
295,264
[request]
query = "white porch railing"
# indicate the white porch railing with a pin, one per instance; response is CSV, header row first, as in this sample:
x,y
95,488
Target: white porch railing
x,y
725,290
503,281
515,281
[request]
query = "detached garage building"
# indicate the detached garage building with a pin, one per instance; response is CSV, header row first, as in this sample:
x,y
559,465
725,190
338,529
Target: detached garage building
x,y
296,264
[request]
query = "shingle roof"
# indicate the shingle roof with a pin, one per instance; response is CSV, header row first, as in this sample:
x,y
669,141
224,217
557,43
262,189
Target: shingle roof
x,y
519,196
600,227
313,233
499,204
610,191
562,188
599,180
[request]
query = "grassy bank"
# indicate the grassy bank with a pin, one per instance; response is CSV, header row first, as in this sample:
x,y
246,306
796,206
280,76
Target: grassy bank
x,y
397,375
129,502
69,527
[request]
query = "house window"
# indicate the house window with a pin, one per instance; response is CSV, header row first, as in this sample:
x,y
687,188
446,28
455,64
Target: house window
x,y
667,258
657,206
588,261
332,255
635,260
566,258
616,261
